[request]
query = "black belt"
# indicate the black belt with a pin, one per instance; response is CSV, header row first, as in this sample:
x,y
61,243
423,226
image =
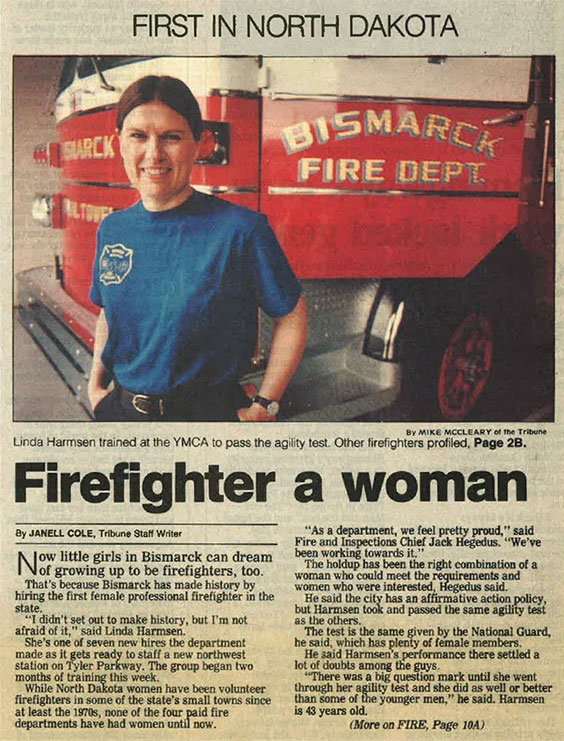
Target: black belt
x,y
149,404
154,405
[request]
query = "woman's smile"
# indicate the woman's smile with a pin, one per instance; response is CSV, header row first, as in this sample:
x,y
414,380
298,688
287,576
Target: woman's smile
x,y
156,170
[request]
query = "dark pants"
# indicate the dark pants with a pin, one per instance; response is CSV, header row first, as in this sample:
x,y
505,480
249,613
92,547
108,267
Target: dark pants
x,y
217,403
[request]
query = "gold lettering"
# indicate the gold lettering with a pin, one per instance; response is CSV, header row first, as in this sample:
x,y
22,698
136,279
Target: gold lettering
x,y
109,146
406,171
436,126
408,122
456,132
451,170
375,124
347,169
485,145
430,172
372,171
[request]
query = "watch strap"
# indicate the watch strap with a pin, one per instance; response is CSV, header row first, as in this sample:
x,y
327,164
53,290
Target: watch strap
x,y
271,405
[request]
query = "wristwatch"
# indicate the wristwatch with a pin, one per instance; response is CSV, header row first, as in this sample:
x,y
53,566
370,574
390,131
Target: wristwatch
x,y
271,406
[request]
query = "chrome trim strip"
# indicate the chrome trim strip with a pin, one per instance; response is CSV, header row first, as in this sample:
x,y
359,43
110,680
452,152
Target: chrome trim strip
x,y
97,184
276,190
544,162
228,93
390,350
329,97
210,189
213,189
387,336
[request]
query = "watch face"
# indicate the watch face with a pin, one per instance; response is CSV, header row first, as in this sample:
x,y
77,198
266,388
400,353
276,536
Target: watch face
x,y
273,408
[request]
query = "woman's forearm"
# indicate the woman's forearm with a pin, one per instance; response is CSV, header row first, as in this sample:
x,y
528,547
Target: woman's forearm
x,y
286,349
97,382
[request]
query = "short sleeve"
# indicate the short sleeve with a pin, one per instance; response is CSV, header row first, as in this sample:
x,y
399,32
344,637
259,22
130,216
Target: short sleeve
x,y
276,286
95,294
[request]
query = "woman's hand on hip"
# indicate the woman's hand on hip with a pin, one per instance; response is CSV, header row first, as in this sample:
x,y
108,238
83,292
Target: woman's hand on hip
x,y
96,394
254,413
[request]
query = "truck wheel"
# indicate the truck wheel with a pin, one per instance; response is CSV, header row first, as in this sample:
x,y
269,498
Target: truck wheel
x,y
455,365
466,367
468,345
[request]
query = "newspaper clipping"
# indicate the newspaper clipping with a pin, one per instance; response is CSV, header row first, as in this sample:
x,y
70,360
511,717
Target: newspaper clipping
x,y
281,437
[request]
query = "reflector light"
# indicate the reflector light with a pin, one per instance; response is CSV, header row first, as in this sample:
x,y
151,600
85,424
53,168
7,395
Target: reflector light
x,y
214,144
54,154
47,154
46,210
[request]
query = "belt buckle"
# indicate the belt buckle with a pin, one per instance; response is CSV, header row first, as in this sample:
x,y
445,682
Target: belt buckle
x,y
149,401
141,397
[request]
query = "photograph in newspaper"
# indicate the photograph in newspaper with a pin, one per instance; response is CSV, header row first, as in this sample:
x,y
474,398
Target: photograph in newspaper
x,y
382,559
419,219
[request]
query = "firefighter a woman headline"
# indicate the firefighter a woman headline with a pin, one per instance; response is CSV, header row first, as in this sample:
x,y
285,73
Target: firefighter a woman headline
x,y
158,491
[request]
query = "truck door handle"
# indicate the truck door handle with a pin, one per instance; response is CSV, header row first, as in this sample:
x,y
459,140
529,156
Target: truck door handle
x,y
544,162
511,118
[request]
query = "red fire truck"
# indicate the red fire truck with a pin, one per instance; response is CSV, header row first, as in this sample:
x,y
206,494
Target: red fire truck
x,y
414,197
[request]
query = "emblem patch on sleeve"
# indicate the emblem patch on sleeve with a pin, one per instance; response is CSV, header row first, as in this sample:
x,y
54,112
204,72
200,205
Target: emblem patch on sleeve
x,y
115,263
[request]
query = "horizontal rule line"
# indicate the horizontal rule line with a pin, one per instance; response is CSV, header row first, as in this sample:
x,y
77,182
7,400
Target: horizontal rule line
x,y
305,191
127,542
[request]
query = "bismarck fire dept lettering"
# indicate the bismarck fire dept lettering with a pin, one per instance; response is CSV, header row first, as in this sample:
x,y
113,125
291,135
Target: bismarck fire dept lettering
x,y
95,147
348,125
424,172
351,124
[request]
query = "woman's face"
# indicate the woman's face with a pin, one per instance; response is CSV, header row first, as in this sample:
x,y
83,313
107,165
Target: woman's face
x,y
158,152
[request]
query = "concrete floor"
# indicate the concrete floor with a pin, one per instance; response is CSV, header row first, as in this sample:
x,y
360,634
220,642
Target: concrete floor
x,y
39,392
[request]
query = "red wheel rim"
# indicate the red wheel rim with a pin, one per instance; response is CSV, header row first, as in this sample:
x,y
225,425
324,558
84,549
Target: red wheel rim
x,y
466,367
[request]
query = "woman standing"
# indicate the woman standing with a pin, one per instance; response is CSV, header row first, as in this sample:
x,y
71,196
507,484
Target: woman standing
x,y
179,277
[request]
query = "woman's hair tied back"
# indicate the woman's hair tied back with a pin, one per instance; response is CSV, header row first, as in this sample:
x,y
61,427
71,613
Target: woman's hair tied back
x,y
168,90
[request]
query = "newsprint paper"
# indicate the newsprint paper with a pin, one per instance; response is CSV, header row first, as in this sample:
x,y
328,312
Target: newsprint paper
x,y
348,572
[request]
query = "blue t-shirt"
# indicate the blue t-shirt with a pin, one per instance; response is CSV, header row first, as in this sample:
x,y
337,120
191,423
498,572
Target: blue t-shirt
x,y
180,289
